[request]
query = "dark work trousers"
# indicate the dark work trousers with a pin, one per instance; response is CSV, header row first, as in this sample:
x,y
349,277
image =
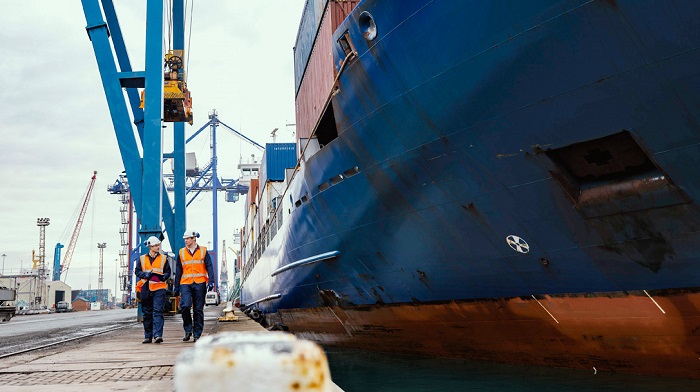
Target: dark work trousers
x,y
153,306
193,297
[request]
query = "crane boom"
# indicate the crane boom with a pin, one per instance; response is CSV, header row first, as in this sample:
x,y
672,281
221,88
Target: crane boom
x,y
76,231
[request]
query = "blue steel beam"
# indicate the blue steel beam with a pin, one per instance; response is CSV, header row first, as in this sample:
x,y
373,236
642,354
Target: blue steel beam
x,y
242,135
199,190
152,197
198,131
206,169
215,196
99,36
180,223
130,79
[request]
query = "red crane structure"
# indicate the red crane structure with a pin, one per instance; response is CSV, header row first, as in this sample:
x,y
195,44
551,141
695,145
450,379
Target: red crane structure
x,y
76,231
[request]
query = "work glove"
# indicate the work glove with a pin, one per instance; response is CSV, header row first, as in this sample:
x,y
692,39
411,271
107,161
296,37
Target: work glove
x,y
177,292
211,287
148,275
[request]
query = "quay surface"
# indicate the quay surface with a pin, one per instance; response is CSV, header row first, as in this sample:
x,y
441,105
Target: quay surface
x,y
114,361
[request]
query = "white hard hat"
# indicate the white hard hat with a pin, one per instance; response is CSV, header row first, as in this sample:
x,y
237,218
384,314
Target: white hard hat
x,y
152,241
190,233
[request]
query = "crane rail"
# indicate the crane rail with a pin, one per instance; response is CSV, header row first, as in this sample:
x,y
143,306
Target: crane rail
x,y
66,340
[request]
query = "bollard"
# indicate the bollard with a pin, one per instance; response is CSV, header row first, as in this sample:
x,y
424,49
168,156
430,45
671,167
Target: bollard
x,y
228,313
252,361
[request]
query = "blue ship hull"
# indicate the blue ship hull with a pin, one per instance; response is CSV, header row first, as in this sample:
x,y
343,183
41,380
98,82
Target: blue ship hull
x,y
510,182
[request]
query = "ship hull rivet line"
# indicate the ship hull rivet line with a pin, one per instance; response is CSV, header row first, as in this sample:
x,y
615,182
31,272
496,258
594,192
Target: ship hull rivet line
x,y
655,303
545,309
307,261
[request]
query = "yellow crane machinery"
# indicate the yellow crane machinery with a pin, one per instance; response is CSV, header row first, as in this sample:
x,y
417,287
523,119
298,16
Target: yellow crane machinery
x,y
35,260
177,102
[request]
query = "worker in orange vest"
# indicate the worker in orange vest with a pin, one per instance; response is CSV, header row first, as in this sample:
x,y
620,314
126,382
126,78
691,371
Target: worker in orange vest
x,y
153,270
193,272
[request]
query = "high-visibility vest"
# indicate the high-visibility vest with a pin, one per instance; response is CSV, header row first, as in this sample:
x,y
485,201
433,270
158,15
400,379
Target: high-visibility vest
x,y
156,268
193,268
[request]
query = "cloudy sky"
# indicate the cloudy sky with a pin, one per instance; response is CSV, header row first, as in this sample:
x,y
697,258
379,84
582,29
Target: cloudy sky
x,y
55,128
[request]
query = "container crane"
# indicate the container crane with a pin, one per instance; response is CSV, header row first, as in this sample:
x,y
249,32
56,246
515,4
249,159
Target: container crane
x,y
76,231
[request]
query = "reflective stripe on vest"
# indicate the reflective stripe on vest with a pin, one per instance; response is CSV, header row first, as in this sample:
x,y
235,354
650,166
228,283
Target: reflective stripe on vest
x,y
156,268
193,268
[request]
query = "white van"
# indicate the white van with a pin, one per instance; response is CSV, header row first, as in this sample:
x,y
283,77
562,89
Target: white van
x,y
212,298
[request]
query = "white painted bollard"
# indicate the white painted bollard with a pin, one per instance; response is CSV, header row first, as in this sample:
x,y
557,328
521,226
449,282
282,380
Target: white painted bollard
x,y
253,361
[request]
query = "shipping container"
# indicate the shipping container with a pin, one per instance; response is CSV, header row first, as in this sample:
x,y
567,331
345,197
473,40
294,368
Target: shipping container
x,y
313,15
253,191
340,9
313,61
306,36
317,82
250,224
276,158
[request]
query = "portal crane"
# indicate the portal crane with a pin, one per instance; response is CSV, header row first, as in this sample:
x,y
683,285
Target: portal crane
x,y
76,231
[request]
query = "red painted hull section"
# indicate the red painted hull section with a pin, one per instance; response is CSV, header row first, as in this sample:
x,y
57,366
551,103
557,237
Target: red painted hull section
x,y
621,332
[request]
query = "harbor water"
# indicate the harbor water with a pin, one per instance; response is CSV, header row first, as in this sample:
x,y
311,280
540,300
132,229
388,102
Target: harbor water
x,y
361,371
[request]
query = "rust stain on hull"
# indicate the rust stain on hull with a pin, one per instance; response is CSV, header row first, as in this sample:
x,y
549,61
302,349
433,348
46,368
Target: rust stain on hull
x,y
617,332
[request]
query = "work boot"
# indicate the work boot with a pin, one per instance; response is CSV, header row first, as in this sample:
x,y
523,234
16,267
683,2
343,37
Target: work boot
x,y
147,340
195,339
187,337
159,339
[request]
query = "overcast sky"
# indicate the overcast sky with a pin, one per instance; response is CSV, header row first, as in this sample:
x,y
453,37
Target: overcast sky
x,y
55,128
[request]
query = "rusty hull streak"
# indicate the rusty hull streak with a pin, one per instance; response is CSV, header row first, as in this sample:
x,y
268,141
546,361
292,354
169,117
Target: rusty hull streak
x,y
613,332
603,194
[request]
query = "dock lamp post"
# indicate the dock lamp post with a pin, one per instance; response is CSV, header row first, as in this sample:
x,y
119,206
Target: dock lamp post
x,y
3,264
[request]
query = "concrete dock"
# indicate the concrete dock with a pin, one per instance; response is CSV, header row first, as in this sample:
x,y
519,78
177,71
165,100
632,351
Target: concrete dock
x,y
114,361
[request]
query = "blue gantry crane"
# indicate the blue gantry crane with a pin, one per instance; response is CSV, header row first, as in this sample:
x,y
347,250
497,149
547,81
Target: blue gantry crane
x,y
154,96
164,97
208,179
